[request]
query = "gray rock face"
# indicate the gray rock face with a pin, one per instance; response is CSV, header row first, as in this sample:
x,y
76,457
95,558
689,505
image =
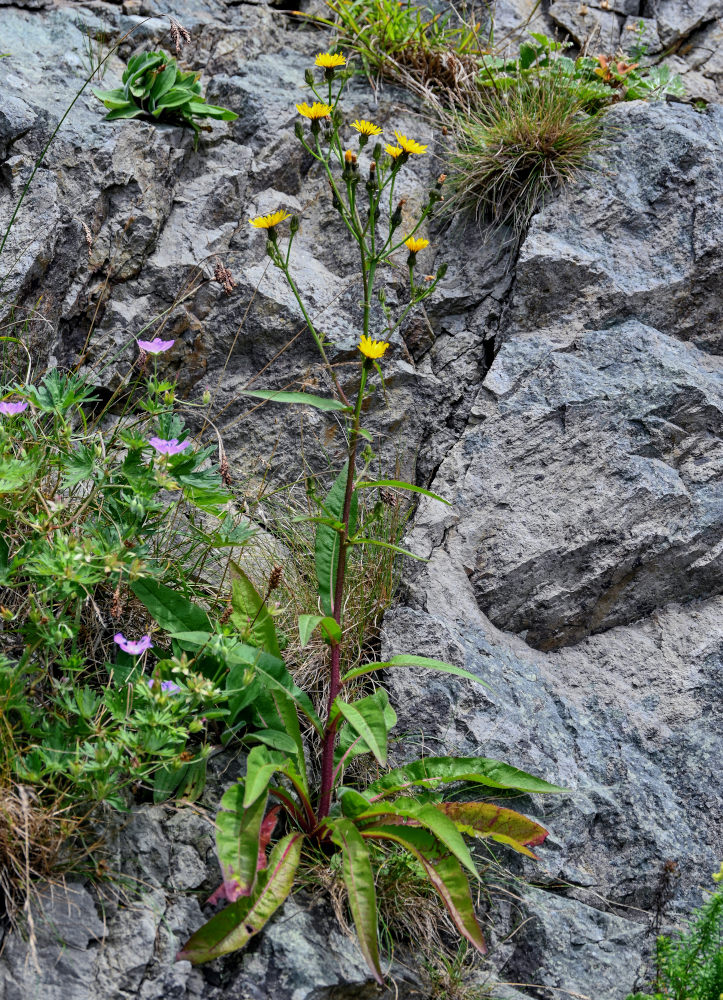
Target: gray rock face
x,y
678,18
588,24
641,238
586,491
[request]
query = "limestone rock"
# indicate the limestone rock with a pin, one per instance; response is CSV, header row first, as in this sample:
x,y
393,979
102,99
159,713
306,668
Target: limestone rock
x,y
678,18
588,24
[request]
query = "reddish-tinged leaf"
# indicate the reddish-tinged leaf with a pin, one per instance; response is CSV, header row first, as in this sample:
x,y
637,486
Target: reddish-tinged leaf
x,y
267,829
229,890
443,871
506,826
233,927
359,880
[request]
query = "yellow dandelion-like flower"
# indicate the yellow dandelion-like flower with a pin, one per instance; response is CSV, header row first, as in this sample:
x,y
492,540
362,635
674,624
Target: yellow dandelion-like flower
x,y
372,348
409,145
365,127
315,111
394,151
270,220
329,61
415,244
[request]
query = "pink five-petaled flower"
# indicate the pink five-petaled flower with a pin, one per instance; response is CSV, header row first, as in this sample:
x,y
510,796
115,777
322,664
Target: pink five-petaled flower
x,y
10,409
170,447
134,648
155,346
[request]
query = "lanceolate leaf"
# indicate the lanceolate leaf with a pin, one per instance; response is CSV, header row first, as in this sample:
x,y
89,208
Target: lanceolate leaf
x,y
399,484
368,723
172,611
237,837
320,402
359,880
405,660
250,614
233,927
327,539
506,826
309,623
432,771
443,871
261,765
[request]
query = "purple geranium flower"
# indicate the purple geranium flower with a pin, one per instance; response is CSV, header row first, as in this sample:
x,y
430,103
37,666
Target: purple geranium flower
x,y
10,409
134,648
168,687
170,447
155,346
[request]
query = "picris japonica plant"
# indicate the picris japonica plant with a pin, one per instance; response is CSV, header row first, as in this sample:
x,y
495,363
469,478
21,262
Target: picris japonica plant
x,y
403,808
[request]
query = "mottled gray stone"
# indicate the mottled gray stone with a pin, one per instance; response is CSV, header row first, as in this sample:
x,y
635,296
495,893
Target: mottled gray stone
x,y
642,237
628,721
650,39
678,18
588,24
586,491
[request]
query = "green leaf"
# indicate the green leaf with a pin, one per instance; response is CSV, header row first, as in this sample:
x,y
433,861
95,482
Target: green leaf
x,y
251,616
234,926
359,881
238,829
308,624
174,98
350,744
203,110
187,781
527,55
284,723
506,826
163,82
274,738
406,660
327,539
431,771
399,484
369,724
172,611
387,545
261,765
443,871
320,402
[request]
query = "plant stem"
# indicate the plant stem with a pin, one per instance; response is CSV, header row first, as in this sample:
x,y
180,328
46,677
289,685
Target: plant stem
x,y
327,760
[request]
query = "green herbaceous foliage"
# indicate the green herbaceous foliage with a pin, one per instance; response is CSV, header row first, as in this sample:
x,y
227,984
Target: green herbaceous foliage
x,y
154,87
690,965
284,805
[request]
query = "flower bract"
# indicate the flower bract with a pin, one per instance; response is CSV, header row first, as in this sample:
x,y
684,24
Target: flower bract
x,y
172,446
372,348
409,145
270,220
133,648
329,61
415,244
365,127
394,151
314,111
11,409
156,346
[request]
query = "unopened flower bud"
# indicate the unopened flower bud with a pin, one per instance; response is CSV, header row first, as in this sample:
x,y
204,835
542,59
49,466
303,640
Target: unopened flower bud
x,y
377,152
206,398
294,223
299,130
396,219
309,77
441,271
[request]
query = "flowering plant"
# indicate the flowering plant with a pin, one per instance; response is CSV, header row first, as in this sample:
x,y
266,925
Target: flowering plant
x,y
402,808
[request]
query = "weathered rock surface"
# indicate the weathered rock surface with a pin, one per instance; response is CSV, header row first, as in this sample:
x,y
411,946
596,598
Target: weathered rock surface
x,y
584,465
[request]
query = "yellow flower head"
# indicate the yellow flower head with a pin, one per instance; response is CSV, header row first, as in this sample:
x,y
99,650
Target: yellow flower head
x,y
316,110
372,348
270,220
415,244
329,61
409,145
394,151
365,127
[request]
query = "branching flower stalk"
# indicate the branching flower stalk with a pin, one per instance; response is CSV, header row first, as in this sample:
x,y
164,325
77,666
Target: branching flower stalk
x,y
401,809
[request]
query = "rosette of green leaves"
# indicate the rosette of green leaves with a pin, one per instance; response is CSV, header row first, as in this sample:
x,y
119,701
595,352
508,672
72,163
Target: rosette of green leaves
x,y
154,87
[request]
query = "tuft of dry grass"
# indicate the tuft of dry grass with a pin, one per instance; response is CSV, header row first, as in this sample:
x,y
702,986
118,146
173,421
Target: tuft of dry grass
x,y
516,147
